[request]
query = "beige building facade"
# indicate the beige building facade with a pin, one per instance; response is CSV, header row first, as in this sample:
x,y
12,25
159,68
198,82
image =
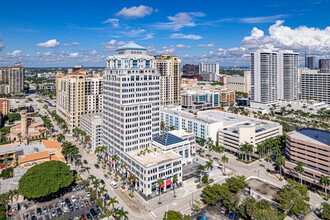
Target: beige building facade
x,y
12,79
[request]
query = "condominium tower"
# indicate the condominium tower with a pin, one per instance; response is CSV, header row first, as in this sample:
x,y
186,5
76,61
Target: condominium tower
x,y
315,85
170,79
274,76
324,65
12,79
208,68
77,94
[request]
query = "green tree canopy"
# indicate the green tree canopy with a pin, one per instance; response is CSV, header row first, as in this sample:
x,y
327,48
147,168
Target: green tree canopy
x,y
325,210
44,179
174,215
14,117
236,184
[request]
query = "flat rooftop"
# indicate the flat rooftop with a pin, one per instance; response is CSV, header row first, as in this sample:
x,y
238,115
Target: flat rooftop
x,y
6,148
154,157
182,133
312,135
188,115
93,116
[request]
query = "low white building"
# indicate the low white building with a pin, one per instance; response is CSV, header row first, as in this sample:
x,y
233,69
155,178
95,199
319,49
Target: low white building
x,y
240,83
151,164
92,125
171,142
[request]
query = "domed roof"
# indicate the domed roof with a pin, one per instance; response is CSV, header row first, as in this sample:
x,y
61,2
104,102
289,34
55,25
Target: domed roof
x,y
131,46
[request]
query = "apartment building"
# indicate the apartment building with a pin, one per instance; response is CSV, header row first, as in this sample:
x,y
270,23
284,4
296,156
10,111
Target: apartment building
x,y
12,79
78,94
208,68
190,70
239,83
316,85
92,125
274,76
311,147
131,118
324,65
170,79
4,106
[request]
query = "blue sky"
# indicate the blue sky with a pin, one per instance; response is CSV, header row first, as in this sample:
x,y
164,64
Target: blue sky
x,y
64,33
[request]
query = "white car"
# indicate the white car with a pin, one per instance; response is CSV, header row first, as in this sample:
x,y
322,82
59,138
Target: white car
x,y
114,184
65,208
62,202
87,194
73,199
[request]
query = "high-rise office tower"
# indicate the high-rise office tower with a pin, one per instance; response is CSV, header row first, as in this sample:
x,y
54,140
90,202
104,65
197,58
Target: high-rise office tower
x,y
208,68
324,65
287,83
310,62
12,79
274,76
131,96
77,94
170,79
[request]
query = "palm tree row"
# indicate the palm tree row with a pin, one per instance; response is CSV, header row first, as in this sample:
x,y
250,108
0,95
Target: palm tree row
x,y
273,145
246,150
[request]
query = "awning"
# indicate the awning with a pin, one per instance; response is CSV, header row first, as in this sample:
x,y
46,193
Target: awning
x,y
168,182
162,185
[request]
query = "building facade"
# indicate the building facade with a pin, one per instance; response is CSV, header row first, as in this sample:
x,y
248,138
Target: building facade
x,y
316,85
324,65
4,106
92,125
208,68
168,68
12,79
274,76
190,70
312,148
310,62
78,94
239,83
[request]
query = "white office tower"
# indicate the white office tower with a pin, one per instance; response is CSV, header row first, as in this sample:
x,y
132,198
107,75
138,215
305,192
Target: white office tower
x,y
208,68
274,76
131,100
287,84
264,76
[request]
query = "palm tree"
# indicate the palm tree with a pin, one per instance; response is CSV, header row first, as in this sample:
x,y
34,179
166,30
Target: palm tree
x,y
224,160
162,126
130,179
209,165
268,159
202,142
209,142
96,183
299,168
200,169
175,181
280,162
114,158
260,149
160,182
102,190
112,202
325,181
121,213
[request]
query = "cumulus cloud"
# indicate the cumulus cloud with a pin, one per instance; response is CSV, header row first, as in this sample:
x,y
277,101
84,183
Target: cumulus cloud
x,y
93,52
48,53
73,54
72,44
51,44
136,12
300,39
206,45
180,20
113,21
15,53
182,46
188,36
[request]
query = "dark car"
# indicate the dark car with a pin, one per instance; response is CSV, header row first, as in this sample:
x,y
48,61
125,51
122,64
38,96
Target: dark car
x,y
231,215
33,218
106,196
85,162
88,216
201,218
96,166
39,211
236,217
102,182
92,200
227,213
106,176
98,210
93,212
67,201
59,211
71,207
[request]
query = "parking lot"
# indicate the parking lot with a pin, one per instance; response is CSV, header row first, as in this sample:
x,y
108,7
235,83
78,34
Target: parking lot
x,y
59,206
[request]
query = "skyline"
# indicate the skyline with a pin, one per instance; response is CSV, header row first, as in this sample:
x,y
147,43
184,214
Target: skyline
x,y
72,33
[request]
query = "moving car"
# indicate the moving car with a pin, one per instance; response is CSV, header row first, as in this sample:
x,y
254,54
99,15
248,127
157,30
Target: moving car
x,y
85,162
106,176
96,166
114,184
102,182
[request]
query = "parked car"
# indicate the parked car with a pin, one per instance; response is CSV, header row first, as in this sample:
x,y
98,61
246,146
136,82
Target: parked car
x,y
85,162
231,215
39,211
33,217
86,202
88,216
96,166
71,207
93,212
223,210
106,196
77,187
73,198
65,208
76,205
92,200
67,201
44,209
201,218
237,217
73,188
82,186
106,176
98,210
82,204
53,212
87,194
114,184
62,202
227,213
59,211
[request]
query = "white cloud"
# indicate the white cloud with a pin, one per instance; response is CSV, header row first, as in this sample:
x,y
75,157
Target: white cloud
x,y
182,46
93,52
266,19
47,53
180,20
136,12
112,45
74,55
313,40
72,44
15,53
206,45
133,32
51,44
188,36
113,21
